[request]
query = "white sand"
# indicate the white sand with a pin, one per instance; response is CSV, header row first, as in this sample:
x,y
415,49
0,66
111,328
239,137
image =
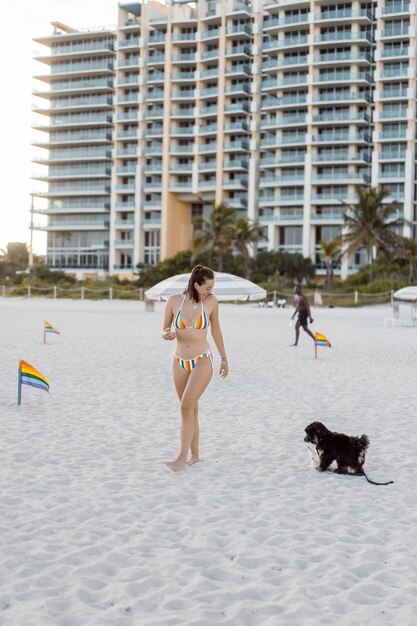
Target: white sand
x,y
94,532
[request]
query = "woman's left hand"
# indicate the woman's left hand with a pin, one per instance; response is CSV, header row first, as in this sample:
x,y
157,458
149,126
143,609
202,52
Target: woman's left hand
x,y
224,369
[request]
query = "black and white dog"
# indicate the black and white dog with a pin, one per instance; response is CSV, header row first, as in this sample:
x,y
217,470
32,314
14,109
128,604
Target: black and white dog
x,y
348,452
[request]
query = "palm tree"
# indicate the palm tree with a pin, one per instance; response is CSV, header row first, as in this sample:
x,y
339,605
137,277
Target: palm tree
x,y
214,234
331,251
407,251
16,256
369,221
245,233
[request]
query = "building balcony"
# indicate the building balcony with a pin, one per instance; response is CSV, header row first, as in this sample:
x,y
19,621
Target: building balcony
x,y
208,147
400,7
208,166
239,127
240,50
394,94
339,15
392,155
331,118
340,36
154,149
236,183
152,222
181,168
327,216
123,243
239,146
183,37
288,42
180,186
396,135
341,157
210,34
73,49
183,94
277,64
341,137
274,23
129,63
394,52
396,33
235,165
156,59
343,77
155,95
342,57
335,96
334,197
238,89
73,191
274,84
133,42
239,30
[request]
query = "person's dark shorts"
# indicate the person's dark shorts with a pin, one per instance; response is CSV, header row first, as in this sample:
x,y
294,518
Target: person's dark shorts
x,y
302,318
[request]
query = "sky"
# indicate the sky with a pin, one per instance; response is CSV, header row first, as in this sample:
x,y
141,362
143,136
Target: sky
x,y
22,20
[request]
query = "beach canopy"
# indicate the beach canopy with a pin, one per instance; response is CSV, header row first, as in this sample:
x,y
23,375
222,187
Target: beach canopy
x,y
408,294
227,287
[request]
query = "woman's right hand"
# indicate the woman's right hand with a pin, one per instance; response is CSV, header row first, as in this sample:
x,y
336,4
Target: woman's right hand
x,y
168,334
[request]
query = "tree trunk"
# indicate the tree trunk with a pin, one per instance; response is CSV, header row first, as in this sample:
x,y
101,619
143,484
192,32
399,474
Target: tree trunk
x,y
371,264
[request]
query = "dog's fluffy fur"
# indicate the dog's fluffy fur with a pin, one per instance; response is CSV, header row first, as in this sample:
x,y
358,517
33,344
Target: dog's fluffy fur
x,y
348,452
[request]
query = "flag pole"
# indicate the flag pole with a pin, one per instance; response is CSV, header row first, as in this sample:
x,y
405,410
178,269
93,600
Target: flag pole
x,y
315,347
19,384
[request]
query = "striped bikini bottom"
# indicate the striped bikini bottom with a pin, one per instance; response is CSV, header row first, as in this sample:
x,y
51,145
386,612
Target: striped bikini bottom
x,y
189,364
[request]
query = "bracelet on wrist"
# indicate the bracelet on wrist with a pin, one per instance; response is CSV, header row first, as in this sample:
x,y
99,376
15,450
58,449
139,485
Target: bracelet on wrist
x,y
224,359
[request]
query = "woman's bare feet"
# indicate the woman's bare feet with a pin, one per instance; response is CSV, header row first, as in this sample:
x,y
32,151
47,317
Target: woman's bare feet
x,y
193,459
175,466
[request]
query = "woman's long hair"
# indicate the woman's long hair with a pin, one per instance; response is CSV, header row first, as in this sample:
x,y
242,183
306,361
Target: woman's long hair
x,y
199,274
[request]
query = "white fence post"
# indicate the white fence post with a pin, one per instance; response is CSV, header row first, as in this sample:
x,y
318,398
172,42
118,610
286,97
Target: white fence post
x,y
3,291
28,291
356,297
55,290
82,293
110,293
141,294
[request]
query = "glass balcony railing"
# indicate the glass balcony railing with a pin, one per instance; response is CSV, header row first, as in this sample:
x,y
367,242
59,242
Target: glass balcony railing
x,y
129,43
343,36
403,31
82,47
60,103
184,37
340,14
391,154
394,93
342,56
396,8
94,83
395,52
286,21
62,68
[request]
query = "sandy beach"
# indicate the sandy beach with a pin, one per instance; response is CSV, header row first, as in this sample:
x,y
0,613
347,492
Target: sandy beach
x,y
94,532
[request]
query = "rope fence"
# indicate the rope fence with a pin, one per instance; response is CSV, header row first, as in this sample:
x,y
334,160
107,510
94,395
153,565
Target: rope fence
x,y
75,293
348,299
354,298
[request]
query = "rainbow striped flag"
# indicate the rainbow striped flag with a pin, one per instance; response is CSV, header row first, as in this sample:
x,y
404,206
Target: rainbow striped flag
x,y
28,375
48,328
321,340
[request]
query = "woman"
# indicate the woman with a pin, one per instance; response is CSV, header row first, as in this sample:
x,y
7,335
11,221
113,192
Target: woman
x,y
190,314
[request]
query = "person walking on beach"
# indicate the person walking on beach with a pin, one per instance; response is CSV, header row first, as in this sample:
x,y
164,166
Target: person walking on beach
x,y
302,307
187,318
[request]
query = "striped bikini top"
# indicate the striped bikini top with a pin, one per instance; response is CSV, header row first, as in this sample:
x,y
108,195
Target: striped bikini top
x,y
201,323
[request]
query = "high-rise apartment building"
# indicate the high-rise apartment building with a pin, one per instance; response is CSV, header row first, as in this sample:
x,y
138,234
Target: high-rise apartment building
x,y
276,107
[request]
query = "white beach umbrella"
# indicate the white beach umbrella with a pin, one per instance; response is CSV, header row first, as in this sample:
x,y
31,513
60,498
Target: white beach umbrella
x,y
227,287
408,294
